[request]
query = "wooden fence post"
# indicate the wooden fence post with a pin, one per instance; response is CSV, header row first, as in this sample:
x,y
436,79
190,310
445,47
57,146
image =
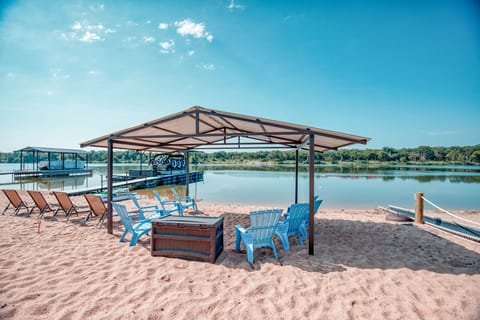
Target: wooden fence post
x,y
419,207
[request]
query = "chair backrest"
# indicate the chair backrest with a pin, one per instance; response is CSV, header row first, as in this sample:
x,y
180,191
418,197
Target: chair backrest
x,y
159,199
63,200
124,217
316,205
14,198
135,201
263,224
297,215
175,194
39,199
97,206
185,198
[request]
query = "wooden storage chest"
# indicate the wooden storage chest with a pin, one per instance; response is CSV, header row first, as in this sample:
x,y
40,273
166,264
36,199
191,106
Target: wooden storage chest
x,y
195,238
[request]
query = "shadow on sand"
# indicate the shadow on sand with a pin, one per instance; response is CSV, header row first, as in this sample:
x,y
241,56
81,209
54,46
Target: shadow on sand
x,y
356,244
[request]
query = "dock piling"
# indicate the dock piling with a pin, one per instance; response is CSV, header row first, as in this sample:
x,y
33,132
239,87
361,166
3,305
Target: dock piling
x,y
419,208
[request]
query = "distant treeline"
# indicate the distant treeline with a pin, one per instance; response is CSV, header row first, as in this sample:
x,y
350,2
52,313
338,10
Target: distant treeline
x,y
469,155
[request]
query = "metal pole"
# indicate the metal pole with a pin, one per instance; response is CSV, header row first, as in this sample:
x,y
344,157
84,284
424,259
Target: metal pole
x,y
296,176
311,227
109,186
187,173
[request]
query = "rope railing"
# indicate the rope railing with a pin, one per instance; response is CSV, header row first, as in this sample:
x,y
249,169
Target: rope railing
x,y
449,213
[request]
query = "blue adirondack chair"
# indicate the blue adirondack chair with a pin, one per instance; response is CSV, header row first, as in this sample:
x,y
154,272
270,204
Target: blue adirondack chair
x,y
156,212
137,229
316,205
185,202
293,224
260,233
168,206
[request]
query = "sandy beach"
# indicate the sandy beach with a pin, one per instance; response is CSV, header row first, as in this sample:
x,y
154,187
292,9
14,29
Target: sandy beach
x,y
364,267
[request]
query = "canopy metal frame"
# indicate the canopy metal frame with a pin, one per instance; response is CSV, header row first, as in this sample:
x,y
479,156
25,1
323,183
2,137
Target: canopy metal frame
x,y
198,128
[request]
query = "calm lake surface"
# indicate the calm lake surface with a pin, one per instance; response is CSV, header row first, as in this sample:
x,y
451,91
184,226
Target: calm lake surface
x,y
450,187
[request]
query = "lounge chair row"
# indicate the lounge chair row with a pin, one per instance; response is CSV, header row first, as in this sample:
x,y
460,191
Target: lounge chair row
x,y
264,224
95,207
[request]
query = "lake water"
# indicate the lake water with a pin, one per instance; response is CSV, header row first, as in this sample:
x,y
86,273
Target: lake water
x,y
451,187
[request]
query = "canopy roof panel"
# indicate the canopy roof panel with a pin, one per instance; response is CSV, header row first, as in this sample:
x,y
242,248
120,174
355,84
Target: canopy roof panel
x,y
201,128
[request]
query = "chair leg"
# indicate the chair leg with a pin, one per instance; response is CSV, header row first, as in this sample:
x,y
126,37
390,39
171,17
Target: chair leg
x,y
274,250
238,239
249,249
6,208
133,241
122,238
284,239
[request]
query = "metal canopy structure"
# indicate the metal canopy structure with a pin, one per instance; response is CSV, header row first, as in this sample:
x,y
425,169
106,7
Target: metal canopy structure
x,y
198,128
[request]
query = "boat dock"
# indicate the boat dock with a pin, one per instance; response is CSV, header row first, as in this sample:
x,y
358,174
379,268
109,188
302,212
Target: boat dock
x,y
144,183
27,174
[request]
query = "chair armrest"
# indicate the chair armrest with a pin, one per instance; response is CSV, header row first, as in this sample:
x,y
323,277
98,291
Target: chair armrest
x,y
282,227
149,207
240,228
170,202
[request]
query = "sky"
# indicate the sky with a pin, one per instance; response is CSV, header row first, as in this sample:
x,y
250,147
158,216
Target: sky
x,y
403,73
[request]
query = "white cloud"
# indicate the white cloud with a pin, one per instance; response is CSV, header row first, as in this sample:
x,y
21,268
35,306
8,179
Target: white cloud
x,y
90,37
188,27
77,26
148,21
95,27
93,72
206,66
85,32
148,39
10,75
167,46
50,92
233,6
191,53
130,23
163,26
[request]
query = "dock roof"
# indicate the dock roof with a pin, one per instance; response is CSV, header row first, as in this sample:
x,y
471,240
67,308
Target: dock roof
x,y
51,150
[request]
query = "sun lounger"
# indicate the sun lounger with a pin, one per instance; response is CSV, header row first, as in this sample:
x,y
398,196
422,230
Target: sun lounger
x,y
40,203
97,208
66,205
15,201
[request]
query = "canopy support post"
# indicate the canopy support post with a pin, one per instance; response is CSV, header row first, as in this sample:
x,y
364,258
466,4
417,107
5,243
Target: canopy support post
x,y
109,186
311,227
296,176
187,174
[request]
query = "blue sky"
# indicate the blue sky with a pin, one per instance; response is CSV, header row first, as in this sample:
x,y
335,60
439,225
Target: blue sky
x,y
404,73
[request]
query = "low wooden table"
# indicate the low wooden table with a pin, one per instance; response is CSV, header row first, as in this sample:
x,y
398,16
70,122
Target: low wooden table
x,y
187,237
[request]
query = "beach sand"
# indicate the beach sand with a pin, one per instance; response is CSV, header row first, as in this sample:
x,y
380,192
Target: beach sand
x,y
364,267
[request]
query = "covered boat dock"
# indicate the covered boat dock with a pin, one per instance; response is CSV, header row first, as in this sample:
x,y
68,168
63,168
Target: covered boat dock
x,y
51,162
